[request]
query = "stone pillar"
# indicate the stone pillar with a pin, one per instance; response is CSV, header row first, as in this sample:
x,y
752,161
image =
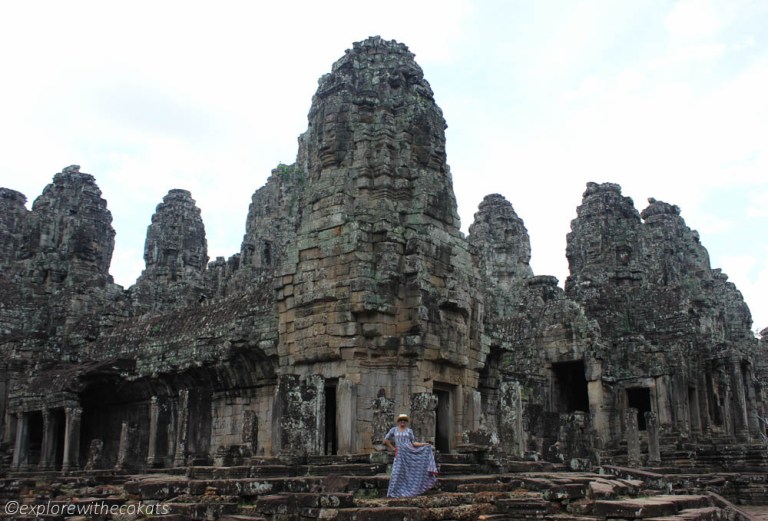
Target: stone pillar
x,y
702,393
661,395
423,416
346,416
652,429
73,418
474,406
125,449
383,417
678,394
9,430
182,429
250,431
93,461
600,420
157,435
48,447
727,410
695,410
312,412
573,441
740,417
632,435
752,411
21,446
511,431
300,415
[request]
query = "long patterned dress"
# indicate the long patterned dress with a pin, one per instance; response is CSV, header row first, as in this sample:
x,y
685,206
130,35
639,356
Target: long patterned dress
x,y
414,470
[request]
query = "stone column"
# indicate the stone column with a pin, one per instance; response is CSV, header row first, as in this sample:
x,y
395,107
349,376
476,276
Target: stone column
x,y
632,435
741,422
600,420
250,431
661,395
474,407
346,416
752,411
72,421
9,431
21,446
182,429
423,416
652,429
703,394
695,410
727,410
125,449
153,460
679,406
383,417
511,419
48,447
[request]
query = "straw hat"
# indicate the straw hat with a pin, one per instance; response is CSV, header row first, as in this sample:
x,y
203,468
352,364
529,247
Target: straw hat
x,y
402,417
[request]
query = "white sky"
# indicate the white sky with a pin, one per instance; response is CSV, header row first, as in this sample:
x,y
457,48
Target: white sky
x,y
666,98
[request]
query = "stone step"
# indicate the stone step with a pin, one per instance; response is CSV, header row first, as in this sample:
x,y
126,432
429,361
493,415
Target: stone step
x,y
648,507
241,471
695,514
449,457
200,510
452,483
348,469
235,517
525,508
458,469
380,514
336,459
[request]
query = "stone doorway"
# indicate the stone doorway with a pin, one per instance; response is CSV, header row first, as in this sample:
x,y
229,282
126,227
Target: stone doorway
x,y
640,399
58,420
443,420
570,387
331,445
35,440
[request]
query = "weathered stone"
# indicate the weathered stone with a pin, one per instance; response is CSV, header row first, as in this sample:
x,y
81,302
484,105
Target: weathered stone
x,y
354,297
175,254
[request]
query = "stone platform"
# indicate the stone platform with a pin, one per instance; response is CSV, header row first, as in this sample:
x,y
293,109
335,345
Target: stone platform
x,y
354,491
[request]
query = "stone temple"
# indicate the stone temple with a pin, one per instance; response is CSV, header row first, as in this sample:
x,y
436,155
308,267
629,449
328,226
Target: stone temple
x,y
355,297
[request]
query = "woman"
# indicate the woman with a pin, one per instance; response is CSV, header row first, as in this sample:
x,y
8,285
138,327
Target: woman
x,y
414,470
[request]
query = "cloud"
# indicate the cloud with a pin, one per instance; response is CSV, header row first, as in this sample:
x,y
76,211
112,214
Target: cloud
x,y
690,19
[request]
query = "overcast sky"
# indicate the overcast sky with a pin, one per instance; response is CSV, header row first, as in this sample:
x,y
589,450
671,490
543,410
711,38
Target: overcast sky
x,y
666,98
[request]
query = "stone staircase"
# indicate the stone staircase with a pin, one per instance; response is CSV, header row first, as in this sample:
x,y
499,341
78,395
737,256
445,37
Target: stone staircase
x,y
354,489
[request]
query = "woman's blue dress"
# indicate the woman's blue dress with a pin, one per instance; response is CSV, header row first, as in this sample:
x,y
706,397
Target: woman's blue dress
x,y
414,470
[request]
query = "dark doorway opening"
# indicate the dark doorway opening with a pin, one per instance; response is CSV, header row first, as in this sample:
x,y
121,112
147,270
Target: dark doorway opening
x,y
693,409
570,387
35,445
640,399
59,421
331,435
443,421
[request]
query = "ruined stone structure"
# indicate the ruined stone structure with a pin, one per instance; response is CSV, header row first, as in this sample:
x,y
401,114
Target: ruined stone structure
x,y
355,296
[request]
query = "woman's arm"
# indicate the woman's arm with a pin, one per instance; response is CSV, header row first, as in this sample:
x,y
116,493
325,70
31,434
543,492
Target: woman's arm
x,y
389,443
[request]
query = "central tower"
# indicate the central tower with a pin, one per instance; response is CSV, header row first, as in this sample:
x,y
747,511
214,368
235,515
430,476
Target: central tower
x,y
375,301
